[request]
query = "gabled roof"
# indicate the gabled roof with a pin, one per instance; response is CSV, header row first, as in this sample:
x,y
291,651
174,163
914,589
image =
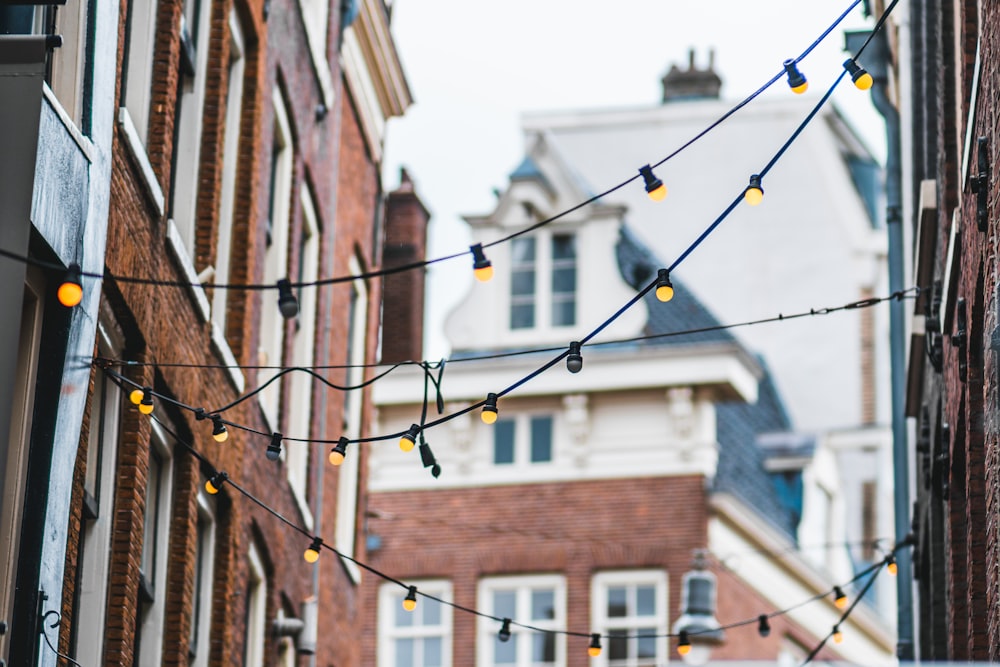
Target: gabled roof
x,y
741,470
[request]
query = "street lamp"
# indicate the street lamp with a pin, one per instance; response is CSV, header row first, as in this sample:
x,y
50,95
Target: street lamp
x,y
697,620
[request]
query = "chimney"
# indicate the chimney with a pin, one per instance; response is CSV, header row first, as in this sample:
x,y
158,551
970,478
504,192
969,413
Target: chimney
x,y
405,242
692,83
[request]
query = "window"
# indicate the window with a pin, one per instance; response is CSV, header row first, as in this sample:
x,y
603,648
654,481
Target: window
x,y
272,331
539,601
87,631
155,544
523,439
630,608
184,171
563,280
303,341
255,618
522,283
418,638
538,263
347,484
137,63
230,158
201,605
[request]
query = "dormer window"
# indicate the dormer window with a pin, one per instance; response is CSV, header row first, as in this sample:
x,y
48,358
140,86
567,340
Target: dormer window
x,y
543,261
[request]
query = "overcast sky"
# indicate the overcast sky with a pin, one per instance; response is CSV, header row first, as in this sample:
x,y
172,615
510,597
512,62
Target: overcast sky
x,y
474,66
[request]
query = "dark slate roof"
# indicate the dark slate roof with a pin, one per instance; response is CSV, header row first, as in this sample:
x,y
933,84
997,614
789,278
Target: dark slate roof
x,y
528,171
741,469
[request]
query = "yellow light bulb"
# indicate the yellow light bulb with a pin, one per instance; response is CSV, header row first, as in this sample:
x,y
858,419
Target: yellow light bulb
x,y
864,82
893,568
753,196
221,436
658,194
664,293
136,396
70,294
406,444
683,649
146,408
841,602
409,604
838,637
483,274
594,651
801,88
336,458
311,555
211,488
489,416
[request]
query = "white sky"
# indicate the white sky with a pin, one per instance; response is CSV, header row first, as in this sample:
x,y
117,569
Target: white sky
x,y
475,65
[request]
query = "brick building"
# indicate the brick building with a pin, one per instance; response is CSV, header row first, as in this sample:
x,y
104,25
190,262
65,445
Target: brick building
x,y
581,507
229,143
949,96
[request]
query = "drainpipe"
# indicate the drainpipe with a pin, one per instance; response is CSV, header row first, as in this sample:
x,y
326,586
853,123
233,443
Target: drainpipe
x,y
876,60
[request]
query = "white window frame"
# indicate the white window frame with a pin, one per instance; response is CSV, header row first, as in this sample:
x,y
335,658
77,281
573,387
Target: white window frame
x,y
272,329
522,586
95,531
151,618
187,147
390,597
201,605
70,60
544,265
303,344
523,440
347,481
140,32
602,623
256,625
230,158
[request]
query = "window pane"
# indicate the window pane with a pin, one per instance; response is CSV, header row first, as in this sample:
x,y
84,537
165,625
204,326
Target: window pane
x,y
404,653
564,280
522,316
404,618
563,312
432,652
522,282
563,247
503,444
543,647
505,653
541,439
523,250
617,606
431,610
505,604
543,605
646,646
617,645
645,601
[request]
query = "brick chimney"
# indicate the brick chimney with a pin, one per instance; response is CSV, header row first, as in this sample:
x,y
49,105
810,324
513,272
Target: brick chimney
x,y
403,293
692,83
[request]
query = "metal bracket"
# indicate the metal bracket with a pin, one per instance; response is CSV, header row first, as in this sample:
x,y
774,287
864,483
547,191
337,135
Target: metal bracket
x,y
980,183
960,340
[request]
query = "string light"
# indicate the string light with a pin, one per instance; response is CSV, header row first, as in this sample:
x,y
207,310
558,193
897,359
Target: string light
x,y
763,626
287,303
655,188
839,597
311,553
664,288
890,564
409,438
594,649
796,81
683,643
504,633
339,451
274,448
754,194
489,414
837,635
427,458
410,601
861,78
146,404
214,483
574,360
482,268
219,431
70,292
136,395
